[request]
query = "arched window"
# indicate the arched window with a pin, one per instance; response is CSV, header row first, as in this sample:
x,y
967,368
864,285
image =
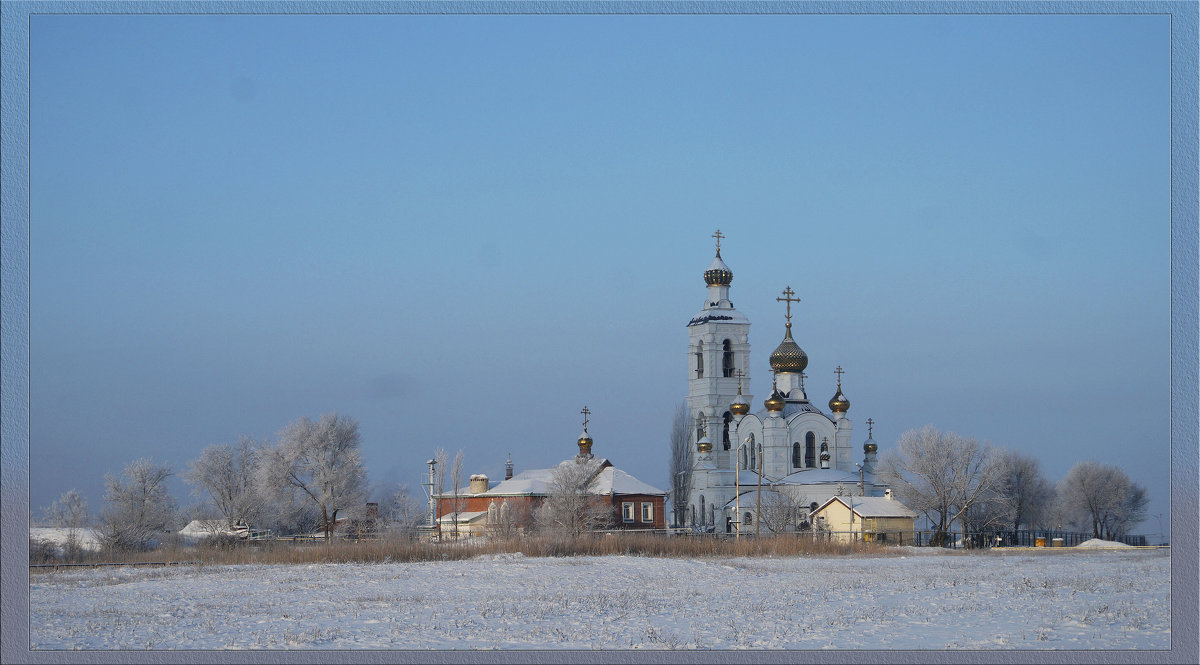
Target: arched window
x,y
725,435
747,518
692,521
797,456
702,513
810,450
700,426
727,359
712,515
742,461
812,507
753,460
700,360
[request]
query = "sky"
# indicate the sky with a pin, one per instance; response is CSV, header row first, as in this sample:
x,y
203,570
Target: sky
x,y
459,230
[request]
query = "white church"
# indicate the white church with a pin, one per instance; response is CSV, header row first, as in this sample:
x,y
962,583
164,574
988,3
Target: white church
x,y
768,470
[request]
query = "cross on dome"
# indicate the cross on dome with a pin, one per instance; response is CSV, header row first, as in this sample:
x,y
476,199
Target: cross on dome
x,y
787,297
870,426
585,413
718,236
839,371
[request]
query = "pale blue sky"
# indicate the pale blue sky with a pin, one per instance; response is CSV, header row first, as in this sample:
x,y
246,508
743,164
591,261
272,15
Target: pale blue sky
x,y
461,229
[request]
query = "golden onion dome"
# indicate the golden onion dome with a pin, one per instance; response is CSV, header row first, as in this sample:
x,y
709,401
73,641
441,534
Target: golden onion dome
x,y
704,445
788,356
838,403
869,447
585,444
739,407
718,274
774,402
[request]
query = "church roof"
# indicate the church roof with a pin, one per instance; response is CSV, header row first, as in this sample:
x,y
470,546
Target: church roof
x,y
821,477
718,315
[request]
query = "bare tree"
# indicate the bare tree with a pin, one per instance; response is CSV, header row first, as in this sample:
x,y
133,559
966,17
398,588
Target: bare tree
x,y
70,512
681,461
571,507
138,507
321,461
224,474
508,519
401,513
440,457
941,475
778,512
1103,497
456,479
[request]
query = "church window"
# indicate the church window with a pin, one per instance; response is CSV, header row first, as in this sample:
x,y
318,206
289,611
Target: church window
x,y
712,516
725,434
797,456
747,518
627,512
727,359
753,461
810,450
700,360
812,507
692,521
702,513
743,455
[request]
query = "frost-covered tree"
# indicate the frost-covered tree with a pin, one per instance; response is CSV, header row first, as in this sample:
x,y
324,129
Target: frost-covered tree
x,y
680,465
1102,497
138,508
1026,494
223,475
320,461
778,512
571,507
940,475
508,519
70,512
400,514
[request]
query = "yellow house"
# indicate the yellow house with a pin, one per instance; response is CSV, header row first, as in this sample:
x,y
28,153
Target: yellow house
x,y
871,518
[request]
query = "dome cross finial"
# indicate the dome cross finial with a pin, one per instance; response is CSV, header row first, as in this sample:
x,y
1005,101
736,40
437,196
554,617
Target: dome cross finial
x,y
870,426
839,371
585,413
718,236
787,297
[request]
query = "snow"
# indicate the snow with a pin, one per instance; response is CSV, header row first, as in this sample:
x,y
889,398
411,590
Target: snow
x,y
58,536
1101,544
610,480
874,506
1089,599
615,481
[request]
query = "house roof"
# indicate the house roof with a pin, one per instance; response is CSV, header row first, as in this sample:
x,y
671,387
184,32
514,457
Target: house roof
x,y
535,482
463,518
871,506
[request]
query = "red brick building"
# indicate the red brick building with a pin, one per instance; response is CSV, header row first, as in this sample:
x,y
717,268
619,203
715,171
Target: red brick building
x,y
627,502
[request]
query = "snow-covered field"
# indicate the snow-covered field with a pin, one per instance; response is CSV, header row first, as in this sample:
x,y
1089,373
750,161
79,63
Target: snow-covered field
x,y
916,599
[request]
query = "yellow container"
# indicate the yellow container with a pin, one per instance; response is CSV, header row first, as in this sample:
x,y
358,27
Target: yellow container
x,y
1039,542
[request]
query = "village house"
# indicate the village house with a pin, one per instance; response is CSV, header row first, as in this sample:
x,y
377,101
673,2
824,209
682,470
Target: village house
x,y
869,518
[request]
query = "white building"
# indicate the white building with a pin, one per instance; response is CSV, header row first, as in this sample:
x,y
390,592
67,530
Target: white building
x,y
802,454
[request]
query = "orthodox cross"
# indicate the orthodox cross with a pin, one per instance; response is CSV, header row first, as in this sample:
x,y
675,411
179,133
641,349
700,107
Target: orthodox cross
x,y
718,236
739,376
870,426
839,371
585,413
787,297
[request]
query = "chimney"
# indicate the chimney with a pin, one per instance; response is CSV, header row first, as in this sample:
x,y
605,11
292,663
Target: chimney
x,y
508,467
887,494
479,483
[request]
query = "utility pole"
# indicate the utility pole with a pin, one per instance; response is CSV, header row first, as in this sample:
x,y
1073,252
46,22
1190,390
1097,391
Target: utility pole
x,y
429,491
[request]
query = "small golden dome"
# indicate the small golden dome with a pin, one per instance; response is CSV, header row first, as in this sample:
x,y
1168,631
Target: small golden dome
x,y
718,274
788,356
838,403
870,448
585,444
739,406
704,445
774,402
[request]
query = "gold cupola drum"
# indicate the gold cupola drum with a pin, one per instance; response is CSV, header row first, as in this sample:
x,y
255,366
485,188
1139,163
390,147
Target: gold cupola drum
x,y
838,403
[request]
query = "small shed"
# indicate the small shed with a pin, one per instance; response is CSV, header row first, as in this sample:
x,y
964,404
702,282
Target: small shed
x,y
868,518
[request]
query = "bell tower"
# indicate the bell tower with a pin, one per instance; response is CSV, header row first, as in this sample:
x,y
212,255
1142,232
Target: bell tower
x,y
718,354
